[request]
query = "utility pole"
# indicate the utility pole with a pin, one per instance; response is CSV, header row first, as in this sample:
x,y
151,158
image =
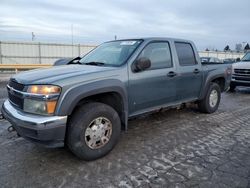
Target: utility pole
x,y
72,35
115,37
1,61
33,36
72,40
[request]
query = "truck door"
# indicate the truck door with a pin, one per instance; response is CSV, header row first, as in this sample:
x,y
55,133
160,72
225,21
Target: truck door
x,y
155,86
189,81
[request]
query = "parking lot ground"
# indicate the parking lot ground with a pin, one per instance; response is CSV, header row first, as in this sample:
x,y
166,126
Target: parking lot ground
x,y
173,148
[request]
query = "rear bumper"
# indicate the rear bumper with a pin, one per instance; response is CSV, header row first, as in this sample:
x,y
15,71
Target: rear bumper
x,y
46,130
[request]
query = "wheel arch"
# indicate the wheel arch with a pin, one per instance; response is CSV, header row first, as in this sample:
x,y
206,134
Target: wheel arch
x,y
110,92
219,79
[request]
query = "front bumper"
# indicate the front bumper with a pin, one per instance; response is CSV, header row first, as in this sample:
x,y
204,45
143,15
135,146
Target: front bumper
x,y
46,130
240,82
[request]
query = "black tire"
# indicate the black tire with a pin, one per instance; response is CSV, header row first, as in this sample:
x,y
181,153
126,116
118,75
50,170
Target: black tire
x,y
204,105
81,120
232,87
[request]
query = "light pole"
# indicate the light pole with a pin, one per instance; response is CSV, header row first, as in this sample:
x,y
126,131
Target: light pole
x,y
72,39
32,36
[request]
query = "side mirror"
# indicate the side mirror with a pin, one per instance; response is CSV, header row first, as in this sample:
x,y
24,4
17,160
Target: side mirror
x,y
237,59
141,64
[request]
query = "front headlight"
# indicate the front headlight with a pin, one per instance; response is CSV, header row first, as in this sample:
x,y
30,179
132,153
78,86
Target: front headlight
x,y
42,99
39,107
44,89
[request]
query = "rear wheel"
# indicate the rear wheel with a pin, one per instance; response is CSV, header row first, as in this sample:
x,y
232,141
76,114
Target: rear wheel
x,y
93,131
211,101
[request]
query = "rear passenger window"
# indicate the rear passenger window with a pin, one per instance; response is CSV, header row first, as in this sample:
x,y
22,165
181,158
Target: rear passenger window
x,y
159,55
185,54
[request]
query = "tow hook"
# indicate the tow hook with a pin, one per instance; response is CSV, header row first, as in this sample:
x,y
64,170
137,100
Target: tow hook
x,y
1,116
11,129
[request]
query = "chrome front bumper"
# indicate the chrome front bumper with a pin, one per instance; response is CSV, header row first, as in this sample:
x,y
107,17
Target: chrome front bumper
x,y
46,130
240,82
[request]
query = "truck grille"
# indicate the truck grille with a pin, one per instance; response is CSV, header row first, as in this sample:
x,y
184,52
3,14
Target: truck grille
x,y
15,85
242,71
13,98
241,75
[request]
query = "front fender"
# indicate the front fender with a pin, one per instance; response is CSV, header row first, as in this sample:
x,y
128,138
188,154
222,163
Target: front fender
x,y
72,96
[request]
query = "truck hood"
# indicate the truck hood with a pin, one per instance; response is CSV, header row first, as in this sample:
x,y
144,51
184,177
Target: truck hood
x,y
58,73
242,65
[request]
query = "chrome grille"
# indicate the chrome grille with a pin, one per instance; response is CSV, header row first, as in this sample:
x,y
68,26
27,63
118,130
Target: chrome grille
x,y
15,85
242,71
14,98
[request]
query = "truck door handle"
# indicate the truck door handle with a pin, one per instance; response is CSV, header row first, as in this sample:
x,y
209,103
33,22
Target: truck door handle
x,y
171,74
196,71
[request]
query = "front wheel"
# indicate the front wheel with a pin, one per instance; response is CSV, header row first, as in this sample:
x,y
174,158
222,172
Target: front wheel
x,y
211,101
93,130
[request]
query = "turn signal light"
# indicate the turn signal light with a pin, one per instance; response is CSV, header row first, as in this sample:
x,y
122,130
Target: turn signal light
x,y
51,106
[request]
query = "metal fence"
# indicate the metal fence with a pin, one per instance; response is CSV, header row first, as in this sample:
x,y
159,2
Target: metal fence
x,y
221,55
48,53
39,53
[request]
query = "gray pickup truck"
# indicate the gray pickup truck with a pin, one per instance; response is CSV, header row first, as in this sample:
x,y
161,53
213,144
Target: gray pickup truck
x,y
87,103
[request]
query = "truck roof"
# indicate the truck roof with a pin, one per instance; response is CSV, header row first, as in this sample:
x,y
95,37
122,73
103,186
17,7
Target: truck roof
x,y
155,38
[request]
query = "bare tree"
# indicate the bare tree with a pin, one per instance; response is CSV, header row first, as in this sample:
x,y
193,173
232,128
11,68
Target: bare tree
x,y
247,47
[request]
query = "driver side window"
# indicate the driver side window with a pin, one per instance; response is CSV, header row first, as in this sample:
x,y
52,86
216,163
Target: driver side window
x,y
159,54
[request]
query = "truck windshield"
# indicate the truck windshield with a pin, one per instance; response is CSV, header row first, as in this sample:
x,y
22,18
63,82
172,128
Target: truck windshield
x,y
113,53
246,57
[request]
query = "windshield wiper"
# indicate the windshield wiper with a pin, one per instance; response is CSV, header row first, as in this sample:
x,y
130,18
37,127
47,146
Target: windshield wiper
x,y
94,63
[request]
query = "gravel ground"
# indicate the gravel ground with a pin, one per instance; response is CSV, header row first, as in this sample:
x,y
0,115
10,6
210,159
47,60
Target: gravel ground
x,y
173,148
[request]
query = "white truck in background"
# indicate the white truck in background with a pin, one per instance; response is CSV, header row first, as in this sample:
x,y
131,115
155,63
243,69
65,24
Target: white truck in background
x,y
241,72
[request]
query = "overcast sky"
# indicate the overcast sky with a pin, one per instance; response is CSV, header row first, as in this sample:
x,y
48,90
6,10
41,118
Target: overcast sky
x,y
210,23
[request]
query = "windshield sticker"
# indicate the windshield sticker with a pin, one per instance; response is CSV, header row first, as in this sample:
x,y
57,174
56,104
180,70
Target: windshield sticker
x,y
128,42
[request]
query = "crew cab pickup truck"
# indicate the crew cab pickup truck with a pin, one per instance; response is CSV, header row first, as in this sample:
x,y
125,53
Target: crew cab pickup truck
x,y
241,73
86,103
